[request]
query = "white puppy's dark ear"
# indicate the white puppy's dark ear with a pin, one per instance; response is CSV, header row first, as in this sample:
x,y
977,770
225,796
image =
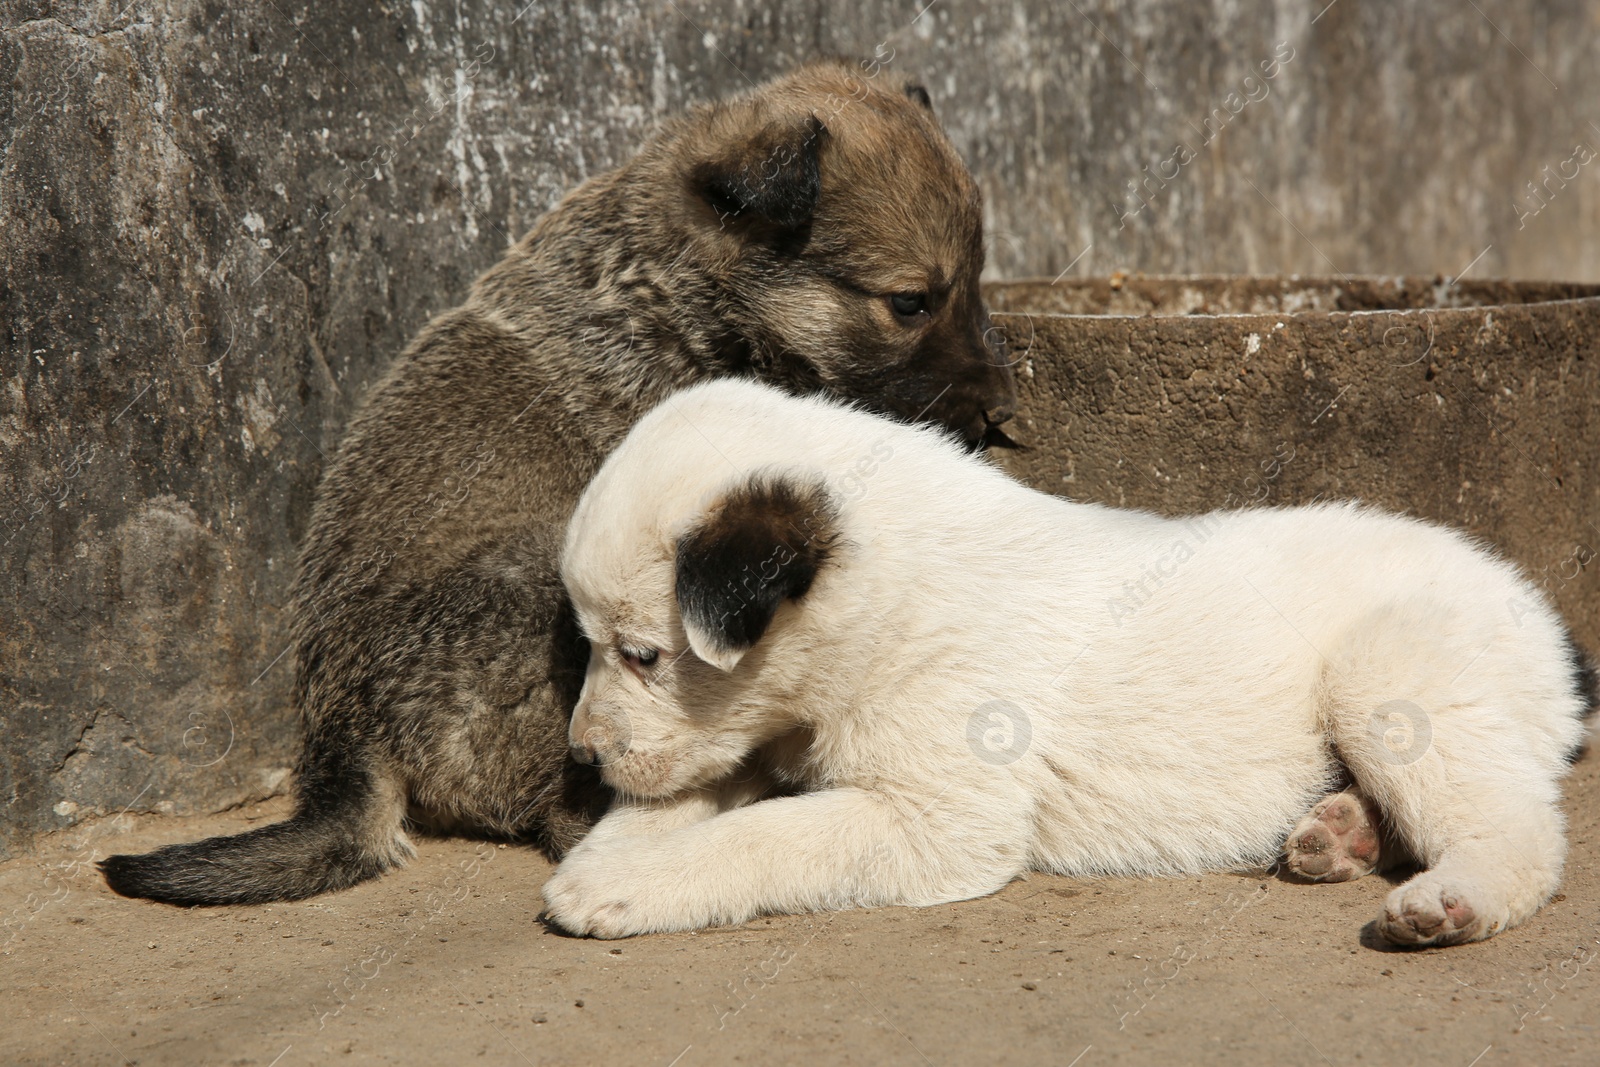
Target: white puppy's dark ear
x,y
758,546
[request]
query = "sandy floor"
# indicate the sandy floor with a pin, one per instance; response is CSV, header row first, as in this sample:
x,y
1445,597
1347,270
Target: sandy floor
x,y
446,961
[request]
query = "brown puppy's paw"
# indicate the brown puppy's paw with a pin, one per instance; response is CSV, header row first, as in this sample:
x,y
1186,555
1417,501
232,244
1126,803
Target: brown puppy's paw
x,y
1429,911
1338,840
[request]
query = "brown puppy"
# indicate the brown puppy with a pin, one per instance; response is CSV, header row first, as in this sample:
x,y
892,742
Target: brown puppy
x,y
819,233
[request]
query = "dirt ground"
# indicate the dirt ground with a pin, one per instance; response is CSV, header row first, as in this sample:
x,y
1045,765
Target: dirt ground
x,y
446,961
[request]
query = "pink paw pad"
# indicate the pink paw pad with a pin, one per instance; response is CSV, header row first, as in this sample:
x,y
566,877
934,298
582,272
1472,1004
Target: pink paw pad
x,y
1337,841
1420,913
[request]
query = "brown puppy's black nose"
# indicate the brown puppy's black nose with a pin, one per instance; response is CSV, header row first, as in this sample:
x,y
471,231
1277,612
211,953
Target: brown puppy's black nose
x,y
583,753
1000,413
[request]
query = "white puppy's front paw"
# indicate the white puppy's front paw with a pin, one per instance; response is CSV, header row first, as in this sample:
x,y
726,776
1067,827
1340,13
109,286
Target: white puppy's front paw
x,y
590,897
622,888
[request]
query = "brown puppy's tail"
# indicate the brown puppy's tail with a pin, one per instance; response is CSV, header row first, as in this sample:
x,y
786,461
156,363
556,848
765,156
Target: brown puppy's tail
x,y
348,827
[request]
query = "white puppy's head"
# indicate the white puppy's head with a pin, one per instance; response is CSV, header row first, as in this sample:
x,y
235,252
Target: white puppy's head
x,y
687,577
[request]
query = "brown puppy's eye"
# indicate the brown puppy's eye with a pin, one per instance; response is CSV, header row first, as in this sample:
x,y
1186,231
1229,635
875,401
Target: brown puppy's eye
x,y
909,307
640,659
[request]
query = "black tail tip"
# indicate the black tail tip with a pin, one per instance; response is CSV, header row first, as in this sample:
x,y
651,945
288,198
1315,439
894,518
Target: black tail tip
x,y
285,861
171,876
128,876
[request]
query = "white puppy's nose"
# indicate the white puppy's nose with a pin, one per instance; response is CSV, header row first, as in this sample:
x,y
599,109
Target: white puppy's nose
x,y
583,737
585,750
598,734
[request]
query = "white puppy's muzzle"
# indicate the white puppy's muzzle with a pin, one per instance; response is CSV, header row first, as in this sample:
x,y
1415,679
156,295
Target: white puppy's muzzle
x,y
598,737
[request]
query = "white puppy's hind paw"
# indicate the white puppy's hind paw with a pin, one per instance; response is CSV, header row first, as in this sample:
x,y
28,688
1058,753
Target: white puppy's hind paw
x,y
1429,910
1338,840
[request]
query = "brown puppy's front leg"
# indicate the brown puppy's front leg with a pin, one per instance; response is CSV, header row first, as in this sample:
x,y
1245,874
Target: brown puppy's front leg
x,y
820,851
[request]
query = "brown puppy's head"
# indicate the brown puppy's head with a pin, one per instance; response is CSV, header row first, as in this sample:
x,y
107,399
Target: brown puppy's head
x,y
843,238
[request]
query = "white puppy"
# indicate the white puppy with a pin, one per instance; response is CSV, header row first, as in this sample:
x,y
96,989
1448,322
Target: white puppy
x,y
835,661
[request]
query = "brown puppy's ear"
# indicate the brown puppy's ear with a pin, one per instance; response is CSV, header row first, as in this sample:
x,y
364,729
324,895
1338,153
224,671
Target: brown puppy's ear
x,y
919,95
772,175
760,545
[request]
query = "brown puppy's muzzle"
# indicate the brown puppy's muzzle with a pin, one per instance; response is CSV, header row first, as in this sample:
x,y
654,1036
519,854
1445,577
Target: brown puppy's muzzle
x,y
1001,382
981,392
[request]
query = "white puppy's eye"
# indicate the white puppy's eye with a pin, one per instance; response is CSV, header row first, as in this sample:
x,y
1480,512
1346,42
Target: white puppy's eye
x,y
639,658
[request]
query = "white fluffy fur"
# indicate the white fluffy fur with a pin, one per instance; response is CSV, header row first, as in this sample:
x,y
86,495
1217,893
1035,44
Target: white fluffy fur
x,y
1180,725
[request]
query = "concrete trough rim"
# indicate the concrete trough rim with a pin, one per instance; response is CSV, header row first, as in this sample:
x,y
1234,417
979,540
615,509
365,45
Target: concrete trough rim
x,y
1019,297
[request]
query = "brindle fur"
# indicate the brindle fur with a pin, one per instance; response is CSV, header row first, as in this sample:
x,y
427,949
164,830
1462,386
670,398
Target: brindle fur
x,y
437,661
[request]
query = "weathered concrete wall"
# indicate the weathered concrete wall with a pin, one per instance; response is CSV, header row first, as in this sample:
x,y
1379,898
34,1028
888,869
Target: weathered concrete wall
x,y
218,222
